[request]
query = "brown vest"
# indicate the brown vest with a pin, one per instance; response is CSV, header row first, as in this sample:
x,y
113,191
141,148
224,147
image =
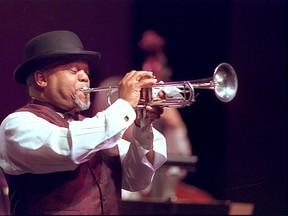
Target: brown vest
x,y
93,188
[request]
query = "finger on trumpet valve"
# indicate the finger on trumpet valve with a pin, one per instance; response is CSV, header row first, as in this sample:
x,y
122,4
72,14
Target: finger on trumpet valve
x,y
148,77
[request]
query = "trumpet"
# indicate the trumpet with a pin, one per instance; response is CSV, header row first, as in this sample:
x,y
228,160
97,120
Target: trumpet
x,y
180,94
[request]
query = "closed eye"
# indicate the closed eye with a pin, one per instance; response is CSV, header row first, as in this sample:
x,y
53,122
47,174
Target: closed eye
x,y
76,70
73,70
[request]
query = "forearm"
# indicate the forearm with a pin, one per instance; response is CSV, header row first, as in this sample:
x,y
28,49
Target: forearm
x,y
30,143
100,132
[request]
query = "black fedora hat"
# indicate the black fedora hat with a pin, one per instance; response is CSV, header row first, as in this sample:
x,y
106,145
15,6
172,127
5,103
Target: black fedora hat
x,y
50,48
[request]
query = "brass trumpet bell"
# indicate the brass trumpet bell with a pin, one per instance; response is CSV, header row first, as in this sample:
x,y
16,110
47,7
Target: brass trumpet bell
x,y
224,82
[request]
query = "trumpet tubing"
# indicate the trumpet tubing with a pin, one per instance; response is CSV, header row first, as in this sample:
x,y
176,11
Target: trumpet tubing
x,y
179,94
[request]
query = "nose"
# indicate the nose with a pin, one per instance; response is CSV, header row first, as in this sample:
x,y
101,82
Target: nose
x,y
83,76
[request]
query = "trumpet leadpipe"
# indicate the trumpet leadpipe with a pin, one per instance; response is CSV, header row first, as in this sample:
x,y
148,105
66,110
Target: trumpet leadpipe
x,y
99,89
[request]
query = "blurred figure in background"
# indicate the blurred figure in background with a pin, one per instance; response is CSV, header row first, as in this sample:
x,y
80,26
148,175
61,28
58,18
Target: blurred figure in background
x,y
168,181
171,123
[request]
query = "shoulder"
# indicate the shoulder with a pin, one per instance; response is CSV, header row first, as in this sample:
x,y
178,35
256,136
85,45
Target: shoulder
x,y
20,115
21,118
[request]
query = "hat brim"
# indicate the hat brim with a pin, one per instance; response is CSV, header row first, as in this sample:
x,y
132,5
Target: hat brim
x,y
28,67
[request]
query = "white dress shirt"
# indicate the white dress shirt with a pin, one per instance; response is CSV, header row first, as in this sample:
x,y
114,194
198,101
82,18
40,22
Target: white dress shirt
x,y
30,144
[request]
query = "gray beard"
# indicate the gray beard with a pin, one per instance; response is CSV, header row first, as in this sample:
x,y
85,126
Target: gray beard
x,y
81,105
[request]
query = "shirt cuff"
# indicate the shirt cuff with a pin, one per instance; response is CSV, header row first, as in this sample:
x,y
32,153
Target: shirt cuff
x,y
146,139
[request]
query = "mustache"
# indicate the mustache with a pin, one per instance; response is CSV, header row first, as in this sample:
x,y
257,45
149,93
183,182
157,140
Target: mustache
x,y
83,88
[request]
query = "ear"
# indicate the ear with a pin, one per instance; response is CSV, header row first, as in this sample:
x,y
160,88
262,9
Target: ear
x,y
40,78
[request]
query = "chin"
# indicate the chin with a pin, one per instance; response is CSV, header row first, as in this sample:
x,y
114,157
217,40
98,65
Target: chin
x,y
82,104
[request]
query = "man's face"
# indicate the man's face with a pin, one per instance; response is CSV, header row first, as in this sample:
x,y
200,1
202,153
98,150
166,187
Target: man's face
x,y
64,84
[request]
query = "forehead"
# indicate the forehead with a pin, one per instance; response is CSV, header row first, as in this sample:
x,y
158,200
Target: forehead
x,y
77,64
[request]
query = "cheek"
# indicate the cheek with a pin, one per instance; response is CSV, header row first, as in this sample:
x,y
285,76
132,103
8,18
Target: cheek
x,y
64,86
66,82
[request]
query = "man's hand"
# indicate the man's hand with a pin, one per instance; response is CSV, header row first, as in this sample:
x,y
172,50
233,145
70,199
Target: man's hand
x,y
152,114
130,86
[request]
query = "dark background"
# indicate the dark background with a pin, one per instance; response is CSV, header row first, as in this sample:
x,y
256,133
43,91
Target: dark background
x,y
241,145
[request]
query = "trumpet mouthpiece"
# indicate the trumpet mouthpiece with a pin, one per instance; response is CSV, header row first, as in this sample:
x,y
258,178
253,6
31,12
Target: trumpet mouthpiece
x,y
86,89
